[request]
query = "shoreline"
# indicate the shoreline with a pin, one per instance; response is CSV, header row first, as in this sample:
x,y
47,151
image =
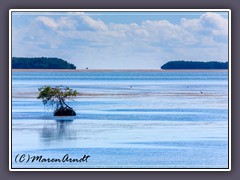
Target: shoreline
x,y
119,70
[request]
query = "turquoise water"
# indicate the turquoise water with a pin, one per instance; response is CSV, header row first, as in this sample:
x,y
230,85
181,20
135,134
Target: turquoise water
x,y
124,120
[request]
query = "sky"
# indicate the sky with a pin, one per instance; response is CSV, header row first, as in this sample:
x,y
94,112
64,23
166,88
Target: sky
x,y
121,40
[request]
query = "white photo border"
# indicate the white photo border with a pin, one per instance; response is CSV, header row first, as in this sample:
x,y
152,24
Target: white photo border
x,y
119,10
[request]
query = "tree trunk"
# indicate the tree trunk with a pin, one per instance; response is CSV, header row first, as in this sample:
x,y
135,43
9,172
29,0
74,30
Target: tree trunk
x,y
66,104
64,110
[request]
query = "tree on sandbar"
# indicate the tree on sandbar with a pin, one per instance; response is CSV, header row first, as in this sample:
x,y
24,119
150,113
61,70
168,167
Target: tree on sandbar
x,y
56,97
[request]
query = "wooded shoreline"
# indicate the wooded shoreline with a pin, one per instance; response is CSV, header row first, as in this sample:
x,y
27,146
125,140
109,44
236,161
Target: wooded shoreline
x,y
118,70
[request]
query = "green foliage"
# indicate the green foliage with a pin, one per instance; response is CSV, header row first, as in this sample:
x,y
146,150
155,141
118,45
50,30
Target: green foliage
x,y
40,63
56,96
195,65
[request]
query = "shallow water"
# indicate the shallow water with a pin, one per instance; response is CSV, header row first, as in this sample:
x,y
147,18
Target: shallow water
x,y
125,120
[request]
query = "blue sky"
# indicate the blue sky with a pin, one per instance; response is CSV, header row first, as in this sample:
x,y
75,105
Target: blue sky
x,y
121,40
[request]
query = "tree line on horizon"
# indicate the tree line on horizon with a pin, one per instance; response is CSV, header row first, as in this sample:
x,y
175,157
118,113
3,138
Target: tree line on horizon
x,y
40,63
195,65
57,63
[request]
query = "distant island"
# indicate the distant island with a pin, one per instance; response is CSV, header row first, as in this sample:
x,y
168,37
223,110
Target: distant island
x,y
40,63
195,65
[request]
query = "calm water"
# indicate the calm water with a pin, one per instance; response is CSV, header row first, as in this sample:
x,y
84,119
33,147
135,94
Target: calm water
x,y
125,120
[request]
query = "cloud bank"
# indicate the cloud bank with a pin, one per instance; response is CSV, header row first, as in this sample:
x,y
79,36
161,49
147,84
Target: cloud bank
x,y
89,41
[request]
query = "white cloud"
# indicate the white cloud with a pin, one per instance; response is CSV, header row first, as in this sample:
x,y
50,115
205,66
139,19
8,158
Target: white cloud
x,y
212,22
47,21
61,23
96,24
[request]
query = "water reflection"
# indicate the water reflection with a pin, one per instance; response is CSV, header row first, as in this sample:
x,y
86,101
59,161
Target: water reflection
x,y
58,130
